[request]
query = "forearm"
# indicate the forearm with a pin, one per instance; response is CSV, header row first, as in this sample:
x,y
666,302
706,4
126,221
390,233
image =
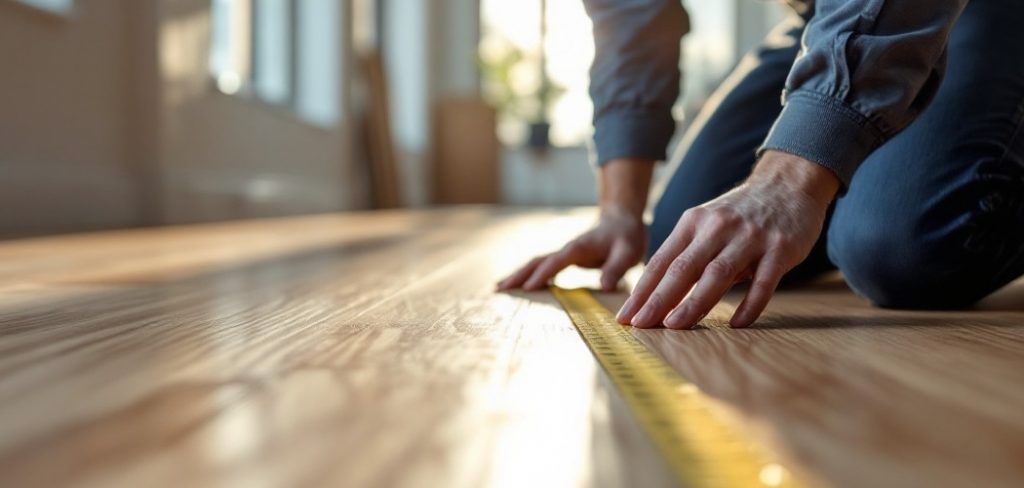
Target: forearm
x,y
623,186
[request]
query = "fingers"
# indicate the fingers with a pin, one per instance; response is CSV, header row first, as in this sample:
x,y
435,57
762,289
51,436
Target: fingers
x,y
676,282
549,267
766,278
656,268
516,280
719,275
620,259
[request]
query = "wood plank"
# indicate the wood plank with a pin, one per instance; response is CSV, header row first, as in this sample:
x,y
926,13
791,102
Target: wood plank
x,y
368,349
387,184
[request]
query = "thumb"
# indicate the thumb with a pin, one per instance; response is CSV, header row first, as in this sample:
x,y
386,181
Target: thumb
x,y
621,257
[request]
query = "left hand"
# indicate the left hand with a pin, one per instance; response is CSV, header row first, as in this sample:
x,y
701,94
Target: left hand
x,y
759,230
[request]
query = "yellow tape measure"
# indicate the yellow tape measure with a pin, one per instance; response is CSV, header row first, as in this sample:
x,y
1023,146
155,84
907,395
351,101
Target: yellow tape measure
x,y
701,448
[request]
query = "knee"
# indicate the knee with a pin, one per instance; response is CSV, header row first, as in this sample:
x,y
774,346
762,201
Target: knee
x,y
899,266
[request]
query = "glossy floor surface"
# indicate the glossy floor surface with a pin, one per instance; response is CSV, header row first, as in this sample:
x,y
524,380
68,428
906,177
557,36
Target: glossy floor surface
x,y
370,350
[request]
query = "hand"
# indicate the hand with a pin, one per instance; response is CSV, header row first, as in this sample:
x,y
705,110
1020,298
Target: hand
x,y
759,230
614,245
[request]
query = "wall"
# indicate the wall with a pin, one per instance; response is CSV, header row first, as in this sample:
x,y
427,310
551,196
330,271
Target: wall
x,y
226,157
109,119
561,176
429,49
63,125
754,20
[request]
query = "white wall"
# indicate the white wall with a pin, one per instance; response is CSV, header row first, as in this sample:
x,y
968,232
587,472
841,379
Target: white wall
x,y
557,177
109,118
64,125
429,49
753,21
407,61
227,157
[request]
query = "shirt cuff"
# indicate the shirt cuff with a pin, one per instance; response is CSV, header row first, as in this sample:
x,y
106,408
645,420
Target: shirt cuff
x,y
632,134
823,130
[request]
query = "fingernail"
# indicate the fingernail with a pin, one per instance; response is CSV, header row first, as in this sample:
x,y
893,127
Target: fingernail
x,y
643,318
674,319
622,315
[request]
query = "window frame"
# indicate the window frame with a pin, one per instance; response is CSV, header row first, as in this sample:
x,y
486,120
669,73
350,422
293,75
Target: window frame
x,y
289,106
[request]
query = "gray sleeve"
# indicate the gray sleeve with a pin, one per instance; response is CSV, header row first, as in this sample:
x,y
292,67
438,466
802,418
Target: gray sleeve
x,y
634,80
866,70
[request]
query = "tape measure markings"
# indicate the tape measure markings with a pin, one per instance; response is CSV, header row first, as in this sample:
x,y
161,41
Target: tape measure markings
x,y
700,447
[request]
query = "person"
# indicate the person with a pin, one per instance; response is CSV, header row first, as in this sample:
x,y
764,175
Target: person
x,y
897,155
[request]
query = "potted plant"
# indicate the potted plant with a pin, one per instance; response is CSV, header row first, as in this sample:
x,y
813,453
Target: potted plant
x,y
519,87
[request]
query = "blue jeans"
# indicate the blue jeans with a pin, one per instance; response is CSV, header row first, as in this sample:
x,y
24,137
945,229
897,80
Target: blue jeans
x,y
932,219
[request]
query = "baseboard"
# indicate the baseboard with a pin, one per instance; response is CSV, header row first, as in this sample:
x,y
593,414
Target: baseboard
x,y
56,198
204,196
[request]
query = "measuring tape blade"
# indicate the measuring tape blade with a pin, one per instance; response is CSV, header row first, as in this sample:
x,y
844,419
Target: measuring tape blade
x,y
701,448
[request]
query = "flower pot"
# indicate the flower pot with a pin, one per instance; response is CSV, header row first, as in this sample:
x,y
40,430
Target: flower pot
x,y
539,135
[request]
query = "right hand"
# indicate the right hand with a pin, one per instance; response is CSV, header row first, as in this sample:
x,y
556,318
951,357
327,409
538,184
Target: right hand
x,y
615,244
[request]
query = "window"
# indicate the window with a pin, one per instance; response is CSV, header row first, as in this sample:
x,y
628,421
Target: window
x,y
514,46
283,52
63,7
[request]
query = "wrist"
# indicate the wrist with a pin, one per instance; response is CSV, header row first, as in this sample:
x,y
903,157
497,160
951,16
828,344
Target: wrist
x,y
623,187
797,174
613,211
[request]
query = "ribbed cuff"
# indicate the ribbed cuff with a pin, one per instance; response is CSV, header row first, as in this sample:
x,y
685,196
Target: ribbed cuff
x,y
823,130
632,134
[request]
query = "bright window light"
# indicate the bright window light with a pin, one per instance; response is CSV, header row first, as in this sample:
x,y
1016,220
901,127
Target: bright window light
x,y
285,53
511,32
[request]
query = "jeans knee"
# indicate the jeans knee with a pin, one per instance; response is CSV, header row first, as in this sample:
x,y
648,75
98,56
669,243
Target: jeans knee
x,y
665,217
900,268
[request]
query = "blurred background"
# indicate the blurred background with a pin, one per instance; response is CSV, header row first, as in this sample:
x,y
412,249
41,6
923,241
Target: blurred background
x,y
125,113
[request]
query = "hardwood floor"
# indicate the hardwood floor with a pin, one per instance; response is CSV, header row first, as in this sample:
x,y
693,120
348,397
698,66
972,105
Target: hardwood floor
x,y
370,350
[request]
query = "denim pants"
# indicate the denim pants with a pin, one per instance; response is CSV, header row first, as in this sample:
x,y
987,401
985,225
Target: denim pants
x,y
932,219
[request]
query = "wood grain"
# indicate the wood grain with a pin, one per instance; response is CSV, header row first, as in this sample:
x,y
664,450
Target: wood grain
x,y
369,350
